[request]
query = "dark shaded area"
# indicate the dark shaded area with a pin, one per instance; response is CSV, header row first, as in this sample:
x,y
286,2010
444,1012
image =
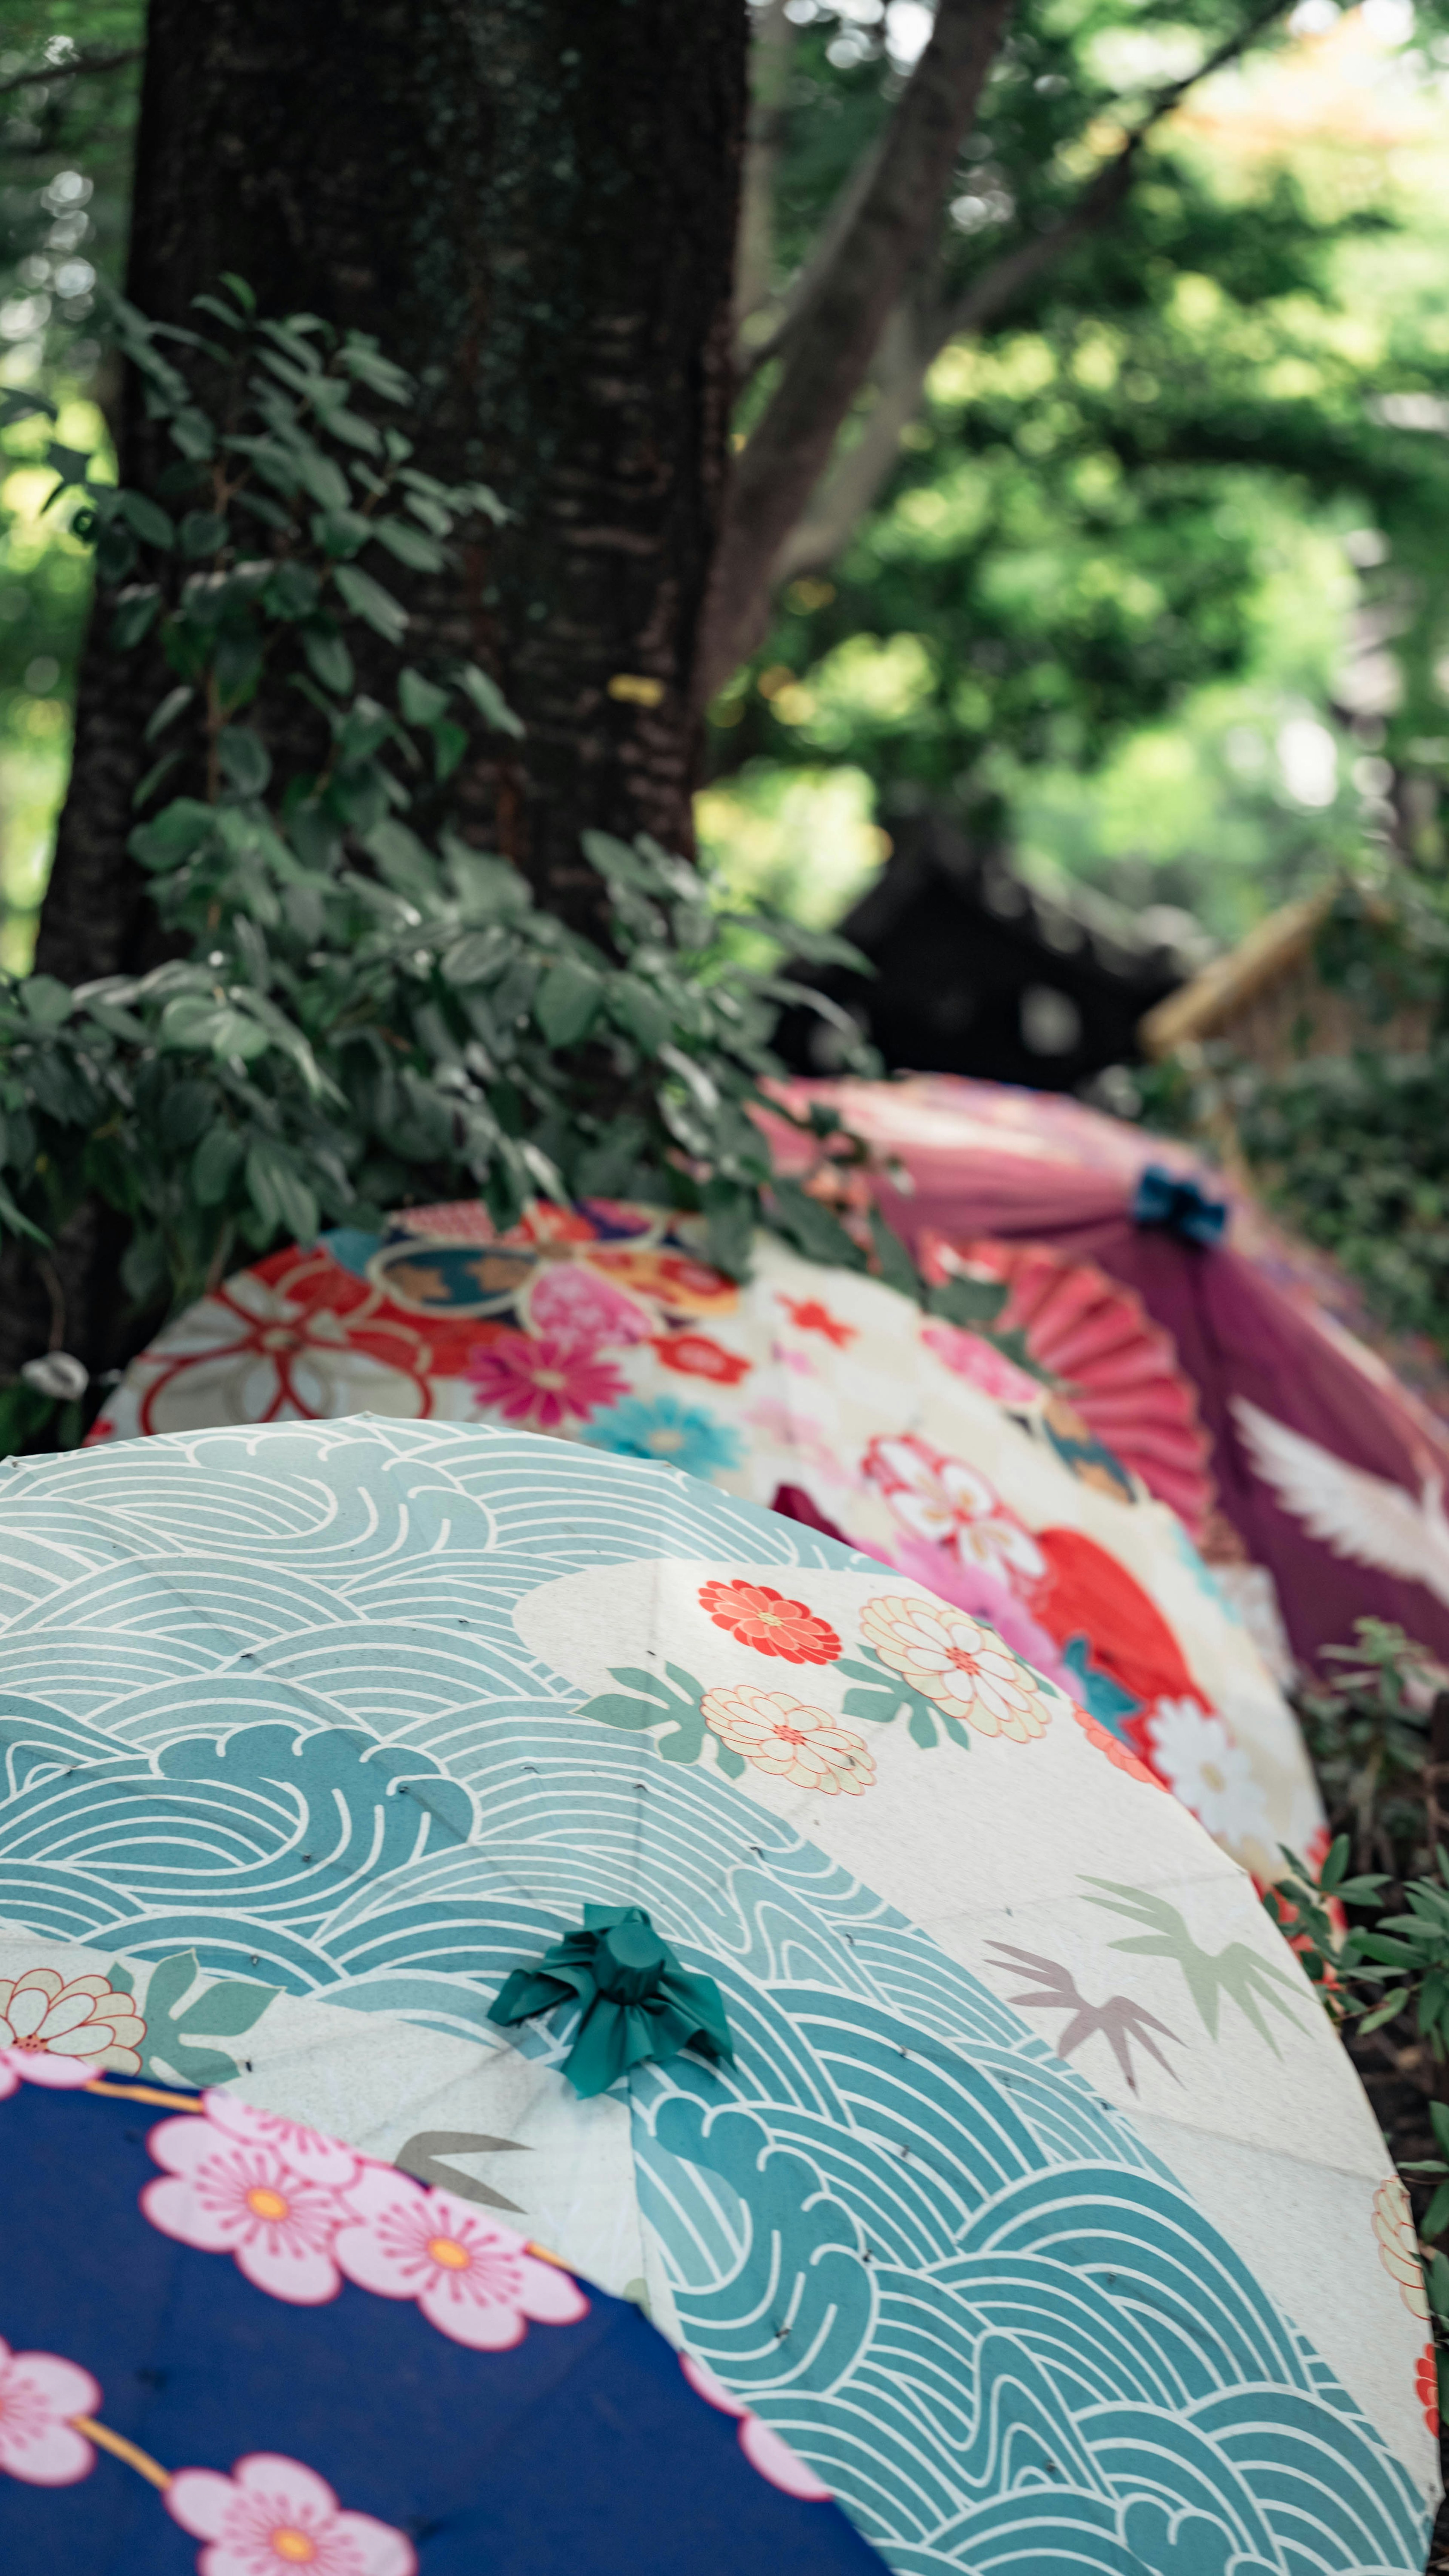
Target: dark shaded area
x,y
534,207
976,974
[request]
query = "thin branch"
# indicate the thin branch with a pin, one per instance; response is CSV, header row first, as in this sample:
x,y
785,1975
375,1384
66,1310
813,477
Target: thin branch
x,y
72,70
771,47
831,346
908,354
799,298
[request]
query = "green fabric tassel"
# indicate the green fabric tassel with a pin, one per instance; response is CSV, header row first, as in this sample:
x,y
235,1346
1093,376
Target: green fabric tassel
x,y
638,2002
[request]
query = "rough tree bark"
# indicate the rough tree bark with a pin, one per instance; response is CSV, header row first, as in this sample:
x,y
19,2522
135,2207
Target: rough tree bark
x,y
533,206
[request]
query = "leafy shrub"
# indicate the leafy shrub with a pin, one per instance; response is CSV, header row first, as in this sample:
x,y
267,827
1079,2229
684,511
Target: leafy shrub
x,y
361,1008
1375,1941
1352,1149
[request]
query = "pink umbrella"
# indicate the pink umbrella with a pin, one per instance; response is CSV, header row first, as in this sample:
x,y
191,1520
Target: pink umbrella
x,y
1230,1367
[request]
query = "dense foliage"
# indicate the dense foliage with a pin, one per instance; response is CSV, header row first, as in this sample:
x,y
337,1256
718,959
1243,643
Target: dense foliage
x,y
352,1008
1149,511
1371,1922
1353,1149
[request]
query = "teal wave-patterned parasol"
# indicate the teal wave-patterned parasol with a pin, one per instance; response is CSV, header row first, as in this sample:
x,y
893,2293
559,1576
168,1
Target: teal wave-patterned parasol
x,y
1046,2242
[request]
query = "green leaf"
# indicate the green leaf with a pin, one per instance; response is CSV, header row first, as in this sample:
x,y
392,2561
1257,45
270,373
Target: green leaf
x,y
194,435
368,600
402,858
812,1228
215,1163
146,786
421,701
146,519
202,532
449,744
328,658
194,1021
567,1001
17,1223
635,1008
1436,2216
489,700
731,1214
135,615
323,481
183,1113
341,533
968,1302
1387,2011
278,1192
175,835
1335,1866
292,590
168,711
245,760
47,1002
897,1268
408,545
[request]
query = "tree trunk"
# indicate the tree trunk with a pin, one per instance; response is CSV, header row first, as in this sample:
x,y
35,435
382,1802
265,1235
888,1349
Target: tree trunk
x,y
532,206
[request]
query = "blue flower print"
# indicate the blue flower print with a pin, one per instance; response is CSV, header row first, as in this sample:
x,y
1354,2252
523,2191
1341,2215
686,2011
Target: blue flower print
x,y
677,1435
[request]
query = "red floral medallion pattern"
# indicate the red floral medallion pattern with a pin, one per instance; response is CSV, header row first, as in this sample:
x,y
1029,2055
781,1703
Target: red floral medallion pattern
x,y
756,1615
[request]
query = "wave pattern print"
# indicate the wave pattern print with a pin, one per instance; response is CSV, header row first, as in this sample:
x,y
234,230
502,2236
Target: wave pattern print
x,y
271,1705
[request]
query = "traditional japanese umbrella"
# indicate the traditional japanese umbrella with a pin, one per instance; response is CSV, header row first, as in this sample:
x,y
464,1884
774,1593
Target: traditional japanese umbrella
x,y
227,2328
973,2125
819,1391
1327,1443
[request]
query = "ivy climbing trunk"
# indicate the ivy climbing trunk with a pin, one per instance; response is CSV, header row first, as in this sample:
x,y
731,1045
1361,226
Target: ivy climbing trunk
x,y
532,205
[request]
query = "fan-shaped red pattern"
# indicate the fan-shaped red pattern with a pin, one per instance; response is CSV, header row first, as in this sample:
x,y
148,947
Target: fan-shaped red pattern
x,y
1119,1370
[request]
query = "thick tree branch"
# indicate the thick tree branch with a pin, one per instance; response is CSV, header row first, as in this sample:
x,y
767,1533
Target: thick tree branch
x,y
71,70
909,350
831,345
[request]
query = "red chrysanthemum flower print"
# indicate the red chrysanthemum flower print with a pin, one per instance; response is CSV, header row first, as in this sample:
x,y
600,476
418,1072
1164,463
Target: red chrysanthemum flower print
x,y
756,1615
695,1355
543,1379
809,1316
1426,2388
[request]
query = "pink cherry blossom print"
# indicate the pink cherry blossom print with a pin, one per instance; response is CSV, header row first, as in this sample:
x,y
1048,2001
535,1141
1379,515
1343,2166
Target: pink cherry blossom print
x,y
542,1379
951,1505
765,2451
240,2197
575,1305
36,2066
473,2280
306,2152
273,2516
39,2394
970,1356
83,2018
